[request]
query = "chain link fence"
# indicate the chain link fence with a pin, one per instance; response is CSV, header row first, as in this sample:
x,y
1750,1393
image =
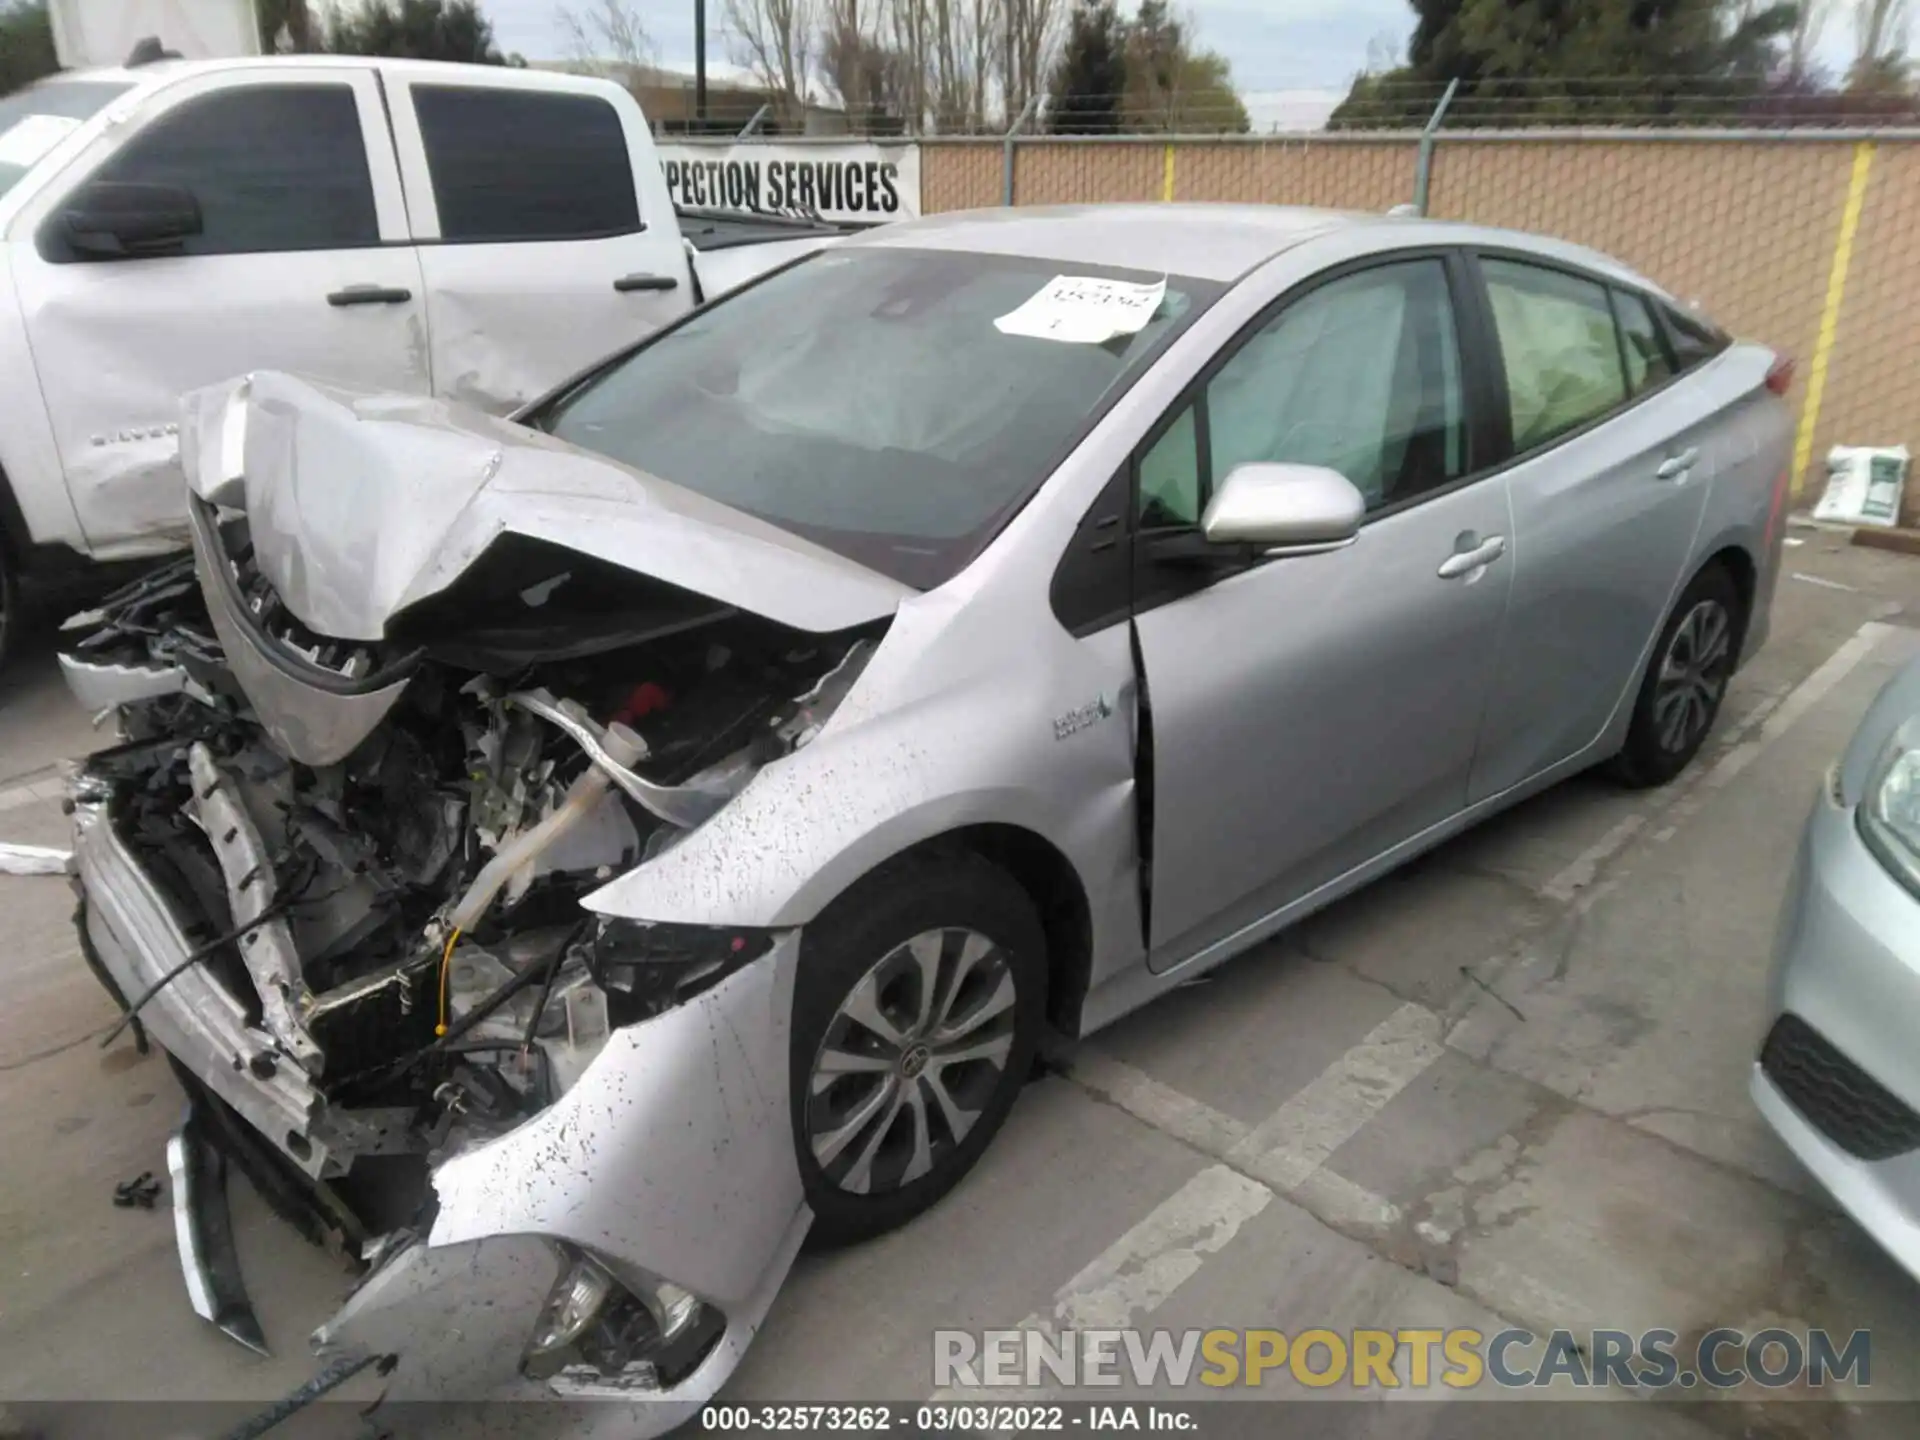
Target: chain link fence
x,y
1804,239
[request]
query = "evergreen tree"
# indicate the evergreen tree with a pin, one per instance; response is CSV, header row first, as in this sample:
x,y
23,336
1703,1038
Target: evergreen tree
x,y
1084,92
415,30
1575,61
26,44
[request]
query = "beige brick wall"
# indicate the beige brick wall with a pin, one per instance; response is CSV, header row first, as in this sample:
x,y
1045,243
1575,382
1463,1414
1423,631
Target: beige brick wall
x,y
1749,228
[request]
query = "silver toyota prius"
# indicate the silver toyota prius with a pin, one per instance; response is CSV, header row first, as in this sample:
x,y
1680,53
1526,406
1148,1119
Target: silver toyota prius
x,y
573,859
1838,1075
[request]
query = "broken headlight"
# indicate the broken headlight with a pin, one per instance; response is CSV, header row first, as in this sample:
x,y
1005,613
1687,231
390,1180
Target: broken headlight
x,y
648,969
595,1328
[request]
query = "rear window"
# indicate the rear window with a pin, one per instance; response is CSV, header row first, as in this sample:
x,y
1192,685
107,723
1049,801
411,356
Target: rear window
x,y
522,165
36,119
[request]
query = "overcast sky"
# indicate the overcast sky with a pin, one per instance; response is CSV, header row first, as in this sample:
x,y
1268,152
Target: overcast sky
x,y
1273,44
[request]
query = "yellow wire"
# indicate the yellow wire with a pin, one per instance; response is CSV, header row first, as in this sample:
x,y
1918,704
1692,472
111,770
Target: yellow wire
x,y
446,964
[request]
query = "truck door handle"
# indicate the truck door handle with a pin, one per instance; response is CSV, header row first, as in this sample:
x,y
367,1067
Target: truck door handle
x,y
1466,561
370,295
645,282
1675,467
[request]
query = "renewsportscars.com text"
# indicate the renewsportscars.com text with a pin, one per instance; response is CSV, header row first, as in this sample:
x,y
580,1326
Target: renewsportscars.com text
x,y
1414,1359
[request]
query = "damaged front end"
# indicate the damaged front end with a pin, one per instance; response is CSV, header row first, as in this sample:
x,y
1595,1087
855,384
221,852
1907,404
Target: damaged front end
x,y
344,877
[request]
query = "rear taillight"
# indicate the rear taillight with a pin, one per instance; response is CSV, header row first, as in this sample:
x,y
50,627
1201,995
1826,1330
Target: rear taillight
x,y
1780,377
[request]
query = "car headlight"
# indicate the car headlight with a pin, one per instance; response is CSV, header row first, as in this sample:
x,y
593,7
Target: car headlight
x,y
1889,815
641,1332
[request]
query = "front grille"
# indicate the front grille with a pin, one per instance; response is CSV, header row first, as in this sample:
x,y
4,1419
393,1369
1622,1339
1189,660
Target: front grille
x,y
1836,1096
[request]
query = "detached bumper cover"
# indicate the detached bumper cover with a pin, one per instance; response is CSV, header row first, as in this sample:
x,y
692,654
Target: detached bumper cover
x,y
672,1155
1847,968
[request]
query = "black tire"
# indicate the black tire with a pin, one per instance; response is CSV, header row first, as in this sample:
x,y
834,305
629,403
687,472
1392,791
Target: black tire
x,y
864,936
9,601
1656,748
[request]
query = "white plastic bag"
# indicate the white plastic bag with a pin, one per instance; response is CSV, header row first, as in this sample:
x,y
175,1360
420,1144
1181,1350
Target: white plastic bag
x,y
1864,485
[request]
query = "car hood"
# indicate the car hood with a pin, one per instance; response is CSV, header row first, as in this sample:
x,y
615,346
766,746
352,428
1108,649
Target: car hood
x,y
359,506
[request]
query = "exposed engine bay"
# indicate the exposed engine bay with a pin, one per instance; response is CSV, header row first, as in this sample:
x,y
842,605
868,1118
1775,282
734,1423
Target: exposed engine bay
x,y
396,913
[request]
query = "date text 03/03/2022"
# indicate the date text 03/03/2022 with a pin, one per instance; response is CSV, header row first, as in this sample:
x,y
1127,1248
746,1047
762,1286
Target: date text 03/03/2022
x,y
963,1418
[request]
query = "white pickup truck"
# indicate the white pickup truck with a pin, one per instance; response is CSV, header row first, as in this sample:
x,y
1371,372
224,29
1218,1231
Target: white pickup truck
x,y
472,232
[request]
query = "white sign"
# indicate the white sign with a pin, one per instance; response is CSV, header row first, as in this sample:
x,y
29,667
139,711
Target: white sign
x,y
862,182
88,33
1083,310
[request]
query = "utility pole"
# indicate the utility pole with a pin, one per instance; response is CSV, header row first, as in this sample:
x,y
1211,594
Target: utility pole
x,y
700,62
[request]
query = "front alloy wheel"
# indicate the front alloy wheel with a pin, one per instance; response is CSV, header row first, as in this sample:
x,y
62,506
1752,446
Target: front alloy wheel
x,y
917,1013
911,1059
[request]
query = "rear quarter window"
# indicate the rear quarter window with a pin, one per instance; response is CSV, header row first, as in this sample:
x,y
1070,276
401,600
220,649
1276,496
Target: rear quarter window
x,y
1694,338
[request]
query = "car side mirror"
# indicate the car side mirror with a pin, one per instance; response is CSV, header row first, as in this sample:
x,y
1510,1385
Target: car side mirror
x,y
121,220
1292,509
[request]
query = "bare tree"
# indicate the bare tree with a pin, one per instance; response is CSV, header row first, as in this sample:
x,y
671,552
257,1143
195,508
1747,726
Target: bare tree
x,y
775,39
961,58
1030,33
607,36
1880,34
858,64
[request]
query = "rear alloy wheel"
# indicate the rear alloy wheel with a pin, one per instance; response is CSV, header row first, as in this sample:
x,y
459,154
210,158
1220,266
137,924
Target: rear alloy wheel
x,y
919,1014
1685,682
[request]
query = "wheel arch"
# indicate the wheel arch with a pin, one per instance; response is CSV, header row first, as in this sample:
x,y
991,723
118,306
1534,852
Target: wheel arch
x,y
1050,881
1734,557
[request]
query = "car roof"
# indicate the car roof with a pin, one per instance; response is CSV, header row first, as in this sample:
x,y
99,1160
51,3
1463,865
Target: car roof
x,y
1207,242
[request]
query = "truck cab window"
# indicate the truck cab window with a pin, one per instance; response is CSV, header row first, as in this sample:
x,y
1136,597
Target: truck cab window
x,y
520,165
273,167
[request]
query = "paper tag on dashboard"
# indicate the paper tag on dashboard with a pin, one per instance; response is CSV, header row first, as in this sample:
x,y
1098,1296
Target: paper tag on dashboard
x,y
32,136
1083,310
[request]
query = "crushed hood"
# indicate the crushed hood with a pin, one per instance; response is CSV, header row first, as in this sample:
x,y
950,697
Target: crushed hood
x,y
360,506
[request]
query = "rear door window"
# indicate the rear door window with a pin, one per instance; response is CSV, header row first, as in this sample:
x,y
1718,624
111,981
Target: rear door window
x,y
524,165
1558,348
1641,343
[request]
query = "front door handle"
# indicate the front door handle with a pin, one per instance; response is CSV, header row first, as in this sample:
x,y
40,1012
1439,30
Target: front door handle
x,y
1466,561
370,295
645,282
1675,467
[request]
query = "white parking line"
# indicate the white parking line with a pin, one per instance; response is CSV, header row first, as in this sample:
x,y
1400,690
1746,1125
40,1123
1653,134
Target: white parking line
x,y
1194,1122
1288,1150
1802,698
1294,1141
1132,1277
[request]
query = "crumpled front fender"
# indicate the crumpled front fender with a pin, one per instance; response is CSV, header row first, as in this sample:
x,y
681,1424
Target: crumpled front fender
x,y
673,1154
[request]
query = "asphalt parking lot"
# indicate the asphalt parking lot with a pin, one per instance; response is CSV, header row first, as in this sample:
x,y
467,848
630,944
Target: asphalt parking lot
x,y
1504,1086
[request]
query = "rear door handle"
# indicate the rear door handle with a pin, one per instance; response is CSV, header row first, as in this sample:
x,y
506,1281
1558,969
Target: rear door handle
x,y
1466,561
1675,467
645,282
370,295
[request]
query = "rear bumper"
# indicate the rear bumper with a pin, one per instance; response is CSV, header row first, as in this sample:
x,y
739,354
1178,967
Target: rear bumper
x,y
671,1157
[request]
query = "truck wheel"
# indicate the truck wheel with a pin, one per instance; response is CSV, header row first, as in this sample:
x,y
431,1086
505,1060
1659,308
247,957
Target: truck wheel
x,y
9,601
918,1007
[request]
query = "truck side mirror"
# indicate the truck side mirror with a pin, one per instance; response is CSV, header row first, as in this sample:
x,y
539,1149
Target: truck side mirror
x,y
123,220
